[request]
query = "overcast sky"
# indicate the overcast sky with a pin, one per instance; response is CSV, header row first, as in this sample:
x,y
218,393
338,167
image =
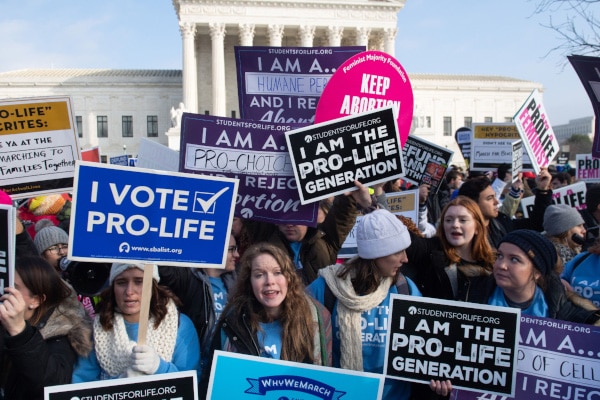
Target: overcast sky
x,y
434,36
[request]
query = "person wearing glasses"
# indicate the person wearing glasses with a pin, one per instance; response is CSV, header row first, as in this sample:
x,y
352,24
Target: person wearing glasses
x,y
51,242
203,292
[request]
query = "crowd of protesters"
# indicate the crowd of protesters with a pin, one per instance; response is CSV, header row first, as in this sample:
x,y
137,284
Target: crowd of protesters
x,y
284,294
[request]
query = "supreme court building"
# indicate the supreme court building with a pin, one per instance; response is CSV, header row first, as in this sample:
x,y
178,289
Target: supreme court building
x,y
115,108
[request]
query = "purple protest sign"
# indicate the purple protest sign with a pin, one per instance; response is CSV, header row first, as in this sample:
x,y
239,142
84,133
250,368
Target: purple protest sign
x,y
587,69
555,359
283,84
253,152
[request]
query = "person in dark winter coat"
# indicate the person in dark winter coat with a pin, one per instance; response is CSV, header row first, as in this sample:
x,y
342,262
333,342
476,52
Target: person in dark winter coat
x,y
498,224
314,248
44,330
449,265
524,277
203,293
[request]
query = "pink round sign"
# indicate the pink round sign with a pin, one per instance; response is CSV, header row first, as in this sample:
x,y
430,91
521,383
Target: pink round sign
x,y
367,81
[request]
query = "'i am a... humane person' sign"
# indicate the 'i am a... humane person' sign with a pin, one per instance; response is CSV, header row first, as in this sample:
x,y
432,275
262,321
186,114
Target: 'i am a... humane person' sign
x,y
283,84
472,345
149,216
328,157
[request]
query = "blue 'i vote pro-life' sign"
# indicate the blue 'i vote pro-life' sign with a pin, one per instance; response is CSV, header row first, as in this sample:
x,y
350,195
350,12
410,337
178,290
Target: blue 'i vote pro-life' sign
x,y
120,214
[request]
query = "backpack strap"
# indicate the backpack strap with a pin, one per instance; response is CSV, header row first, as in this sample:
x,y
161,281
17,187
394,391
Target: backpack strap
x,y
402,284
580,260
328,298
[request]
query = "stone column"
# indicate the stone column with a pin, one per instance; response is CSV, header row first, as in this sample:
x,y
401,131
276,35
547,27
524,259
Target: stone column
x,y
306,34
377,41
246,34
334,35
389,40
275,33
190,80
362,37
217,35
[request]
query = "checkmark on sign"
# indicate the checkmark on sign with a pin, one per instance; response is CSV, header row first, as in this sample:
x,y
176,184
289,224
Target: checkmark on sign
x,y
206,206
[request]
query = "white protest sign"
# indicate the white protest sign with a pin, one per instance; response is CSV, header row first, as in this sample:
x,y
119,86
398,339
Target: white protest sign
x,y
588,168
573,195
517,159
492,147
7,246
157,156
38,146
536,131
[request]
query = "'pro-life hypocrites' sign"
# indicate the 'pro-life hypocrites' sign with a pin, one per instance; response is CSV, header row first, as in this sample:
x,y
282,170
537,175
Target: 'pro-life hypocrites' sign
x,y
330,156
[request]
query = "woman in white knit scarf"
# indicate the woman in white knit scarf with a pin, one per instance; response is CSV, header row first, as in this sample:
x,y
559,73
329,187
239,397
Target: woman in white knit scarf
x,y
362,287
172,342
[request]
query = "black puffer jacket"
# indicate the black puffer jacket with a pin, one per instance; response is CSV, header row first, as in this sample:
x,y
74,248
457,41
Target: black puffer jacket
x,y
44,355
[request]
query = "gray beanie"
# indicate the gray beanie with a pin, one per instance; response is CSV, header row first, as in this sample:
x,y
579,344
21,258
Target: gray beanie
x,y
559,218
49,236
118,268
379,234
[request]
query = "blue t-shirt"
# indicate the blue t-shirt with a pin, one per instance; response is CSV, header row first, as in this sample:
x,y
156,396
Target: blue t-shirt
x,y
374,331
585,279
270,340
537,308
219,295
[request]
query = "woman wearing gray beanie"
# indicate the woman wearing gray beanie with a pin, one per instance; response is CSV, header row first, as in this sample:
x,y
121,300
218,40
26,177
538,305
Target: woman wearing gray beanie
x,y
51,242
564,227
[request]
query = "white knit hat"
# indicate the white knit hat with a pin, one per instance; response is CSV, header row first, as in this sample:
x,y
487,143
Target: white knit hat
x,y
379,234
118,268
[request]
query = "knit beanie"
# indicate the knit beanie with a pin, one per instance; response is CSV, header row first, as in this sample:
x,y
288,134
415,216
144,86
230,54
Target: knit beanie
x,y
48,235
538,248
118,268
5,198
559,218
47,205
380,234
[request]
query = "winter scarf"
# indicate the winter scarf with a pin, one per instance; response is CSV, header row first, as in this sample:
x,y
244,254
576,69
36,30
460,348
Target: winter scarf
x,y
113,347
349,308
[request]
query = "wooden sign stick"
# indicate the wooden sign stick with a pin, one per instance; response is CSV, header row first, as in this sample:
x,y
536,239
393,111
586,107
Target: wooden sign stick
x,y
145,306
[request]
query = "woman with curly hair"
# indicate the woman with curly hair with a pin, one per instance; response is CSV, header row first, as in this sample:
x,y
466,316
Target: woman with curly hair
x,y
172,341
269,314
43,330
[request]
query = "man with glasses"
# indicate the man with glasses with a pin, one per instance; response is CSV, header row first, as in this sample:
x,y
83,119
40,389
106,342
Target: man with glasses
x,y
51,242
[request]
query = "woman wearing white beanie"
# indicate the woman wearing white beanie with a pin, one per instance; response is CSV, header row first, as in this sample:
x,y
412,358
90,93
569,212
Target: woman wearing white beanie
x,y
361,289
172,341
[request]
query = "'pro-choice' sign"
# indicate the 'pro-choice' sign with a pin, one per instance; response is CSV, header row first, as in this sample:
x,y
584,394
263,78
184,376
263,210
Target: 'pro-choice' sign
x,y
149,216
328,157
